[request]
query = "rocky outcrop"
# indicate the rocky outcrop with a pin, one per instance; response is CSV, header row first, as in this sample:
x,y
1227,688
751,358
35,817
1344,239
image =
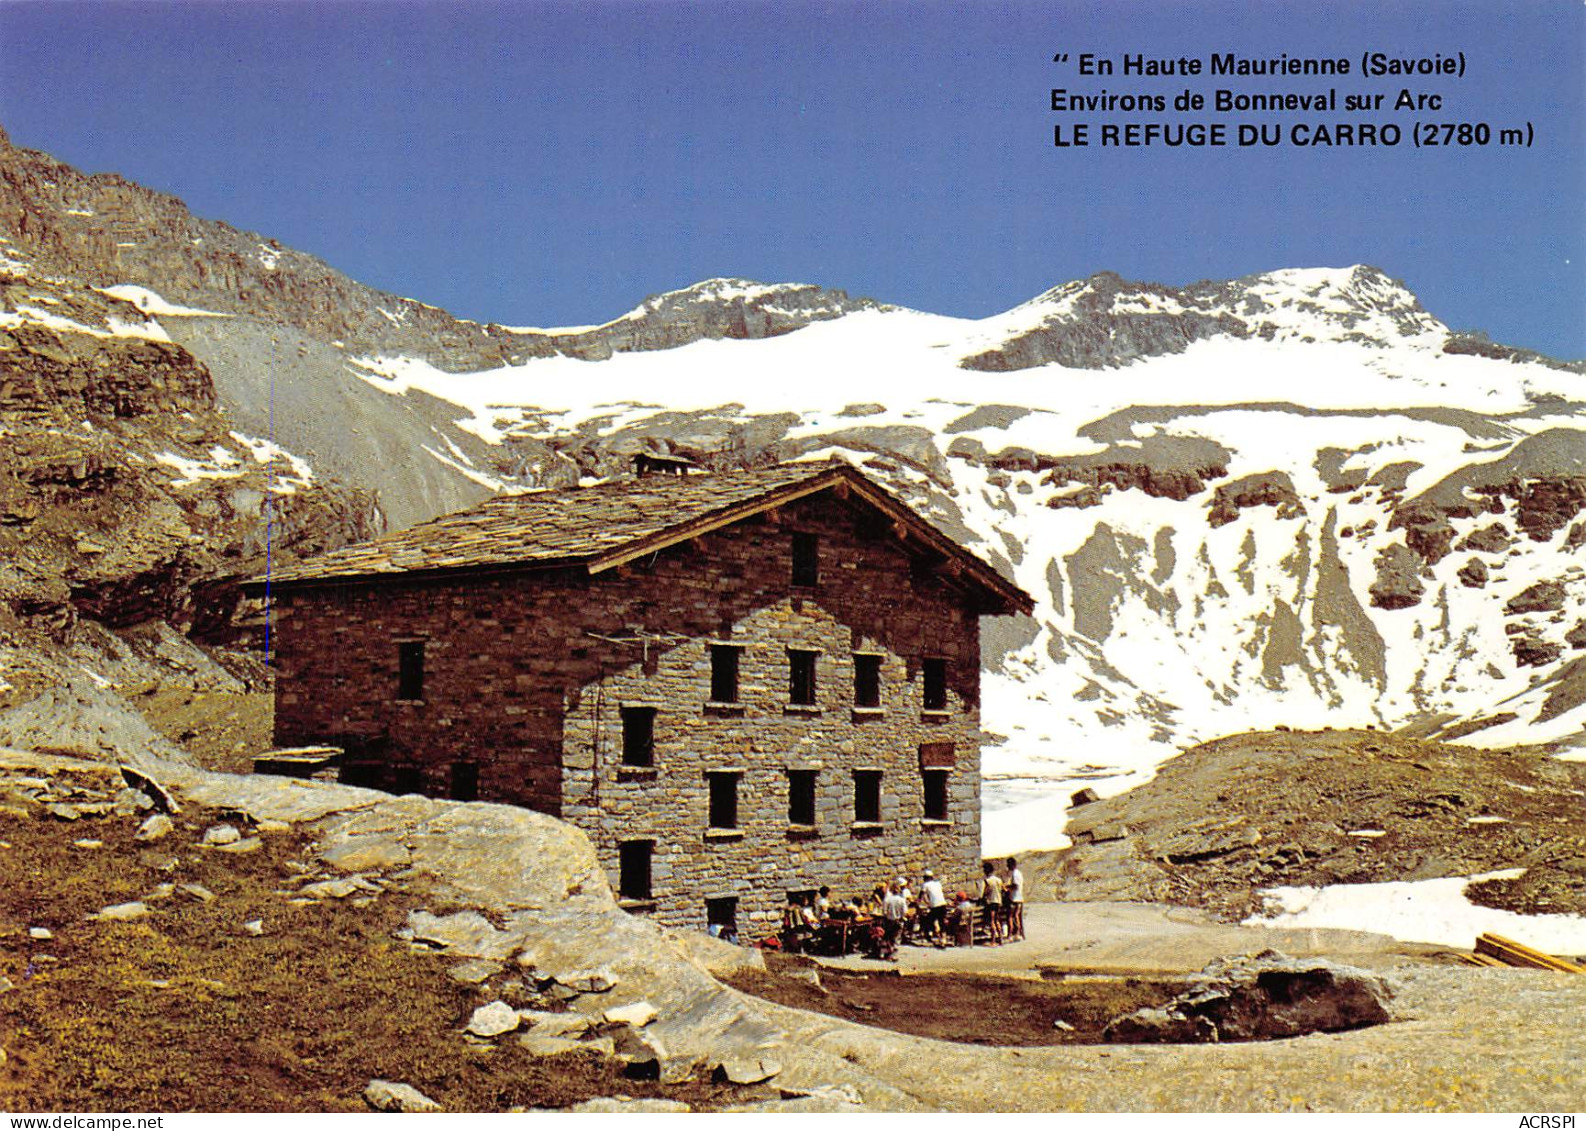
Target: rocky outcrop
x,y
48,373
1261,997
1227,818
1540,483
1398,581
1472,344
1490,539
1164,466
388,1095
1532,651
1264,489
1543,597
126,495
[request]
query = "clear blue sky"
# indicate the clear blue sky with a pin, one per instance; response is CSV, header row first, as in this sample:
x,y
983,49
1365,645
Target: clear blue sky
x,y
552,163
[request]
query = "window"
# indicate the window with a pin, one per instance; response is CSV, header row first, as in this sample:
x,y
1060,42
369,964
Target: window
x,y
410,669
722,913
867,680
633,868
935,685
935,794
465,781
724,673
867,797
801,797
638,736
806,560
723,799
801,678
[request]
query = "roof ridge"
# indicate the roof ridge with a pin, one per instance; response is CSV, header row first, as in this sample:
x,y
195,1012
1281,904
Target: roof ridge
x,y
603,525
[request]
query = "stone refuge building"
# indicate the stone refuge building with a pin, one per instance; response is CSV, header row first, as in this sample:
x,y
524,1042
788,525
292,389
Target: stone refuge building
x,y
739,684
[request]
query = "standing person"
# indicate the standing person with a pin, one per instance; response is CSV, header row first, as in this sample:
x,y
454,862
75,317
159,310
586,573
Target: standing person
x,y
991,900
1013,897
877,897
894,910
935,900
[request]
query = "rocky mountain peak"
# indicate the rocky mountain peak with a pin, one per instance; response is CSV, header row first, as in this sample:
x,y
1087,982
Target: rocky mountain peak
x,y
805,301
1359,303
712,309
1106,320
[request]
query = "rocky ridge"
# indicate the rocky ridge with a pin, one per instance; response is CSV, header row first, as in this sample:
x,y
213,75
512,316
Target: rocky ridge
x,y
1226,819
104,230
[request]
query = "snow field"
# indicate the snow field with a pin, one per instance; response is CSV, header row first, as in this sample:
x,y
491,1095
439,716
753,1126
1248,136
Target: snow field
x,y
1424,911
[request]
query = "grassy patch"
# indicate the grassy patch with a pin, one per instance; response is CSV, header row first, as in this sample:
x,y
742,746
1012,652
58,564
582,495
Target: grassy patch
x,y
185,1010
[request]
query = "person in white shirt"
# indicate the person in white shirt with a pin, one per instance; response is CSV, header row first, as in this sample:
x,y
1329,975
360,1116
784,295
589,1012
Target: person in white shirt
x,y
935,900
894,910
991,900
1013,898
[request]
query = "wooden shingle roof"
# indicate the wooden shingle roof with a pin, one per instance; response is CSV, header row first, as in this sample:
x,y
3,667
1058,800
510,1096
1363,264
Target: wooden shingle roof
x,y
607,525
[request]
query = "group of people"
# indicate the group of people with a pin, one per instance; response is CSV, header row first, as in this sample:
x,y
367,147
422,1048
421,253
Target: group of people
x,y
895,912
1003,899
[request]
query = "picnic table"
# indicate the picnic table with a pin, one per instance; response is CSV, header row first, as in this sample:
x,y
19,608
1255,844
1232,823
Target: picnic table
x,y
841,935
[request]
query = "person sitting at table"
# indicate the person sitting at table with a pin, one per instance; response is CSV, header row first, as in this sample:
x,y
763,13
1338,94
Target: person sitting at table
x,y
796,926
823,903
807,913
963,920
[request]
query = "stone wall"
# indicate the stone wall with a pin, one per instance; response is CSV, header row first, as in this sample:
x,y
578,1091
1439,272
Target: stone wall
x,y
527,677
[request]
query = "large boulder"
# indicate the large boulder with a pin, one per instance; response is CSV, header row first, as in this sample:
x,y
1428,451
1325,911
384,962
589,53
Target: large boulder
x,y
1257,997
390,1095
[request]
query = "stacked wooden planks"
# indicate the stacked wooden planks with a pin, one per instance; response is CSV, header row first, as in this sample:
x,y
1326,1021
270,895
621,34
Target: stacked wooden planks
x,y
1495,950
